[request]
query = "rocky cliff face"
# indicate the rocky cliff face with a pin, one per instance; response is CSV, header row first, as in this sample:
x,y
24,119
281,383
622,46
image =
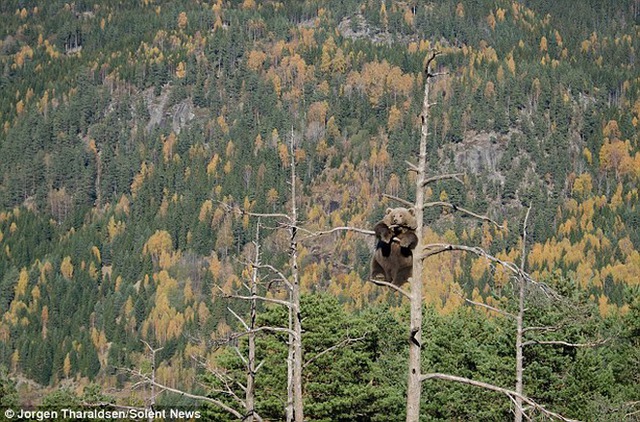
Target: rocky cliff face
x,y
479,153
159,114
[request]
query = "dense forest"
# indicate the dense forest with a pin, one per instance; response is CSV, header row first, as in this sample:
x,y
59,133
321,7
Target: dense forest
x,y
140,140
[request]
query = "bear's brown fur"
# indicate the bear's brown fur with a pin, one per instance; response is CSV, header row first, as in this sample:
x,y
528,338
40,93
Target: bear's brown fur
x,y
395,240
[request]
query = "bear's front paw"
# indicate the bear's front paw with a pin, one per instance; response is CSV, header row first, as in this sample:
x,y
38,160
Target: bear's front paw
x,y
386,237
405,243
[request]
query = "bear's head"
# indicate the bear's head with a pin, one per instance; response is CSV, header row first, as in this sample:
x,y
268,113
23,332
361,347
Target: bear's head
x,y
405,217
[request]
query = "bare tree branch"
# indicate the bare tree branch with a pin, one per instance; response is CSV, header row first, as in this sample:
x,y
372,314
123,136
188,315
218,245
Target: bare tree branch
x,y
412,167
246,327
281,276
444,204
402,201
261,215
213,401
549,329
262,298
565,343
489,307
463,210
495,388
343,343
484,305
392,286
312,234
237,210
632,404
267,328
454,176
437,248
519,407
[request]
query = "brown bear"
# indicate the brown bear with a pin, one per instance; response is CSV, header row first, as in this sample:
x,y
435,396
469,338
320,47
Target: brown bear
x,y
395,240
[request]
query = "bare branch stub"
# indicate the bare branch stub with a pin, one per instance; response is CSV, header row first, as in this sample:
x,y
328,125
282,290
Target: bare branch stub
x,y
412,167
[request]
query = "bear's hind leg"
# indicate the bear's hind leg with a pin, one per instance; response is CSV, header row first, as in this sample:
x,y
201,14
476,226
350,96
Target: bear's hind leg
x,y
402,275
377,272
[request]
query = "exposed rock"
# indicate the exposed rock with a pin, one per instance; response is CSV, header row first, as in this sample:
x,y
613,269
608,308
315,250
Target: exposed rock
x,y
356,27
182,113
179,115
478,153
156,106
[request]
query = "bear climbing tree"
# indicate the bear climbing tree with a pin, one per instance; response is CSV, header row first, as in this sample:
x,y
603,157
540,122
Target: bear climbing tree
x,y
395,241
415,376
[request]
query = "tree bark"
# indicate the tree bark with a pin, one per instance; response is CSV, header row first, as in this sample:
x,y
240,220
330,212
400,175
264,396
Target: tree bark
x,y
298,408
251,361
520,326
519,354
414,382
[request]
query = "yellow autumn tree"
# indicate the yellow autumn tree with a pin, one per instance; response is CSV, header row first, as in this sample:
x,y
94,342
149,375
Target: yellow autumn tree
x,y
168,145
182,20
339,62
159,247
66,366
491,20
256,59
181,70
543,44
44,316
614,156
395,118
582,186
23,281
66,268
511,64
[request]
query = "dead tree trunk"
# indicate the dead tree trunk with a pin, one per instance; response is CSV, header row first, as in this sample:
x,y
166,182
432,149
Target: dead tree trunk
x,y
251,353
298,409
152,399
520,327
524,281
414,384
294,408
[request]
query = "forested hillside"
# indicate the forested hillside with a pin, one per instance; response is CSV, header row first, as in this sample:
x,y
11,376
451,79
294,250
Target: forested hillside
x,y
138,138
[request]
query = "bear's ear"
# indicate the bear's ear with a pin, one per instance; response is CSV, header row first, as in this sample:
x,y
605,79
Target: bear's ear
x,y
389,211
412,211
